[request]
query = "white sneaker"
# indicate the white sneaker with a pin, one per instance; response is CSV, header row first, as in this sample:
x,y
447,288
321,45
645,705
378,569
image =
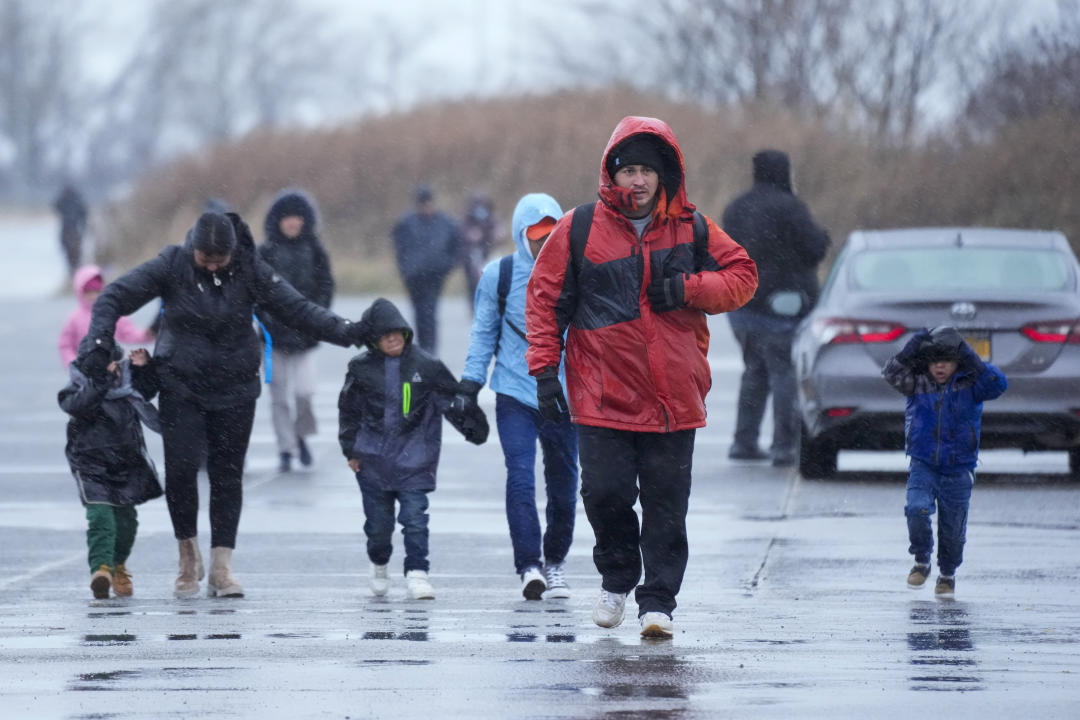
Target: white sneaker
x,y
656,625
418,586
532,584
609,609
380,579
556,583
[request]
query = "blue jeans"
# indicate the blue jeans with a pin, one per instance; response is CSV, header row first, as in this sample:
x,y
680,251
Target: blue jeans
x,y
520,426
951,493
379,525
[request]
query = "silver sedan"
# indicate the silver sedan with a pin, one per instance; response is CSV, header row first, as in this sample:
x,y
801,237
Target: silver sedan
x,y
1012,293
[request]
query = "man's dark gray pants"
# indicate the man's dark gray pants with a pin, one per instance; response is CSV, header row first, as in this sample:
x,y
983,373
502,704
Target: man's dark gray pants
x,y
767,368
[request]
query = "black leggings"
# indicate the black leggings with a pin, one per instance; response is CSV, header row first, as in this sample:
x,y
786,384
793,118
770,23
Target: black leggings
x,y
186,429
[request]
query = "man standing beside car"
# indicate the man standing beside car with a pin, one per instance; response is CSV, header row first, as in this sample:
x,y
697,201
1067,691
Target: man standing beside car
x,y
778,232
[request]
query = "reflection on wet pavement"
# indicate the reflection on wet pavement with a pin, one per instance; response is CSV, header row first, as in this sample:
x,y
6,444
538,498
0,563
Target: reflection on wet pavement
x,y
942,649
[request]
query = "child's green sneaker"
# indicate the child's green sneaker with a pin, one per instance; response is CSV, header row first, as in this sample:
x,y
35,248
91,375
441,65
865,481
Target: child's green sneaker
x,y
100,582
918,575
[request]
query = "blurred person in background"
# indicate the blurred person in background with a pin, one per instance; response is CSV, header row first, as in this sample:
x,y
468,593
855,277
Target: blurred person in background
x,y
71,208
498,331
293,249
427,246
478,230
781,237
88,284
207,359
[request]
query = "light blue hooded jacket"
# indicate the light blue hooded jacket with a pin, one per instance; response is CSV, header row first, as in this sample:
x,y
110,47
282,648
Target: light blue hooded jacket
x,y
511,374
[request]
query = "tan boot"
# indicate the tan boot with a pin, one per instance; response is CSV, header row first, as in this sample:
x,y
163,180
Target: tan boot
x,y
100,582
191,569
221,582
122,581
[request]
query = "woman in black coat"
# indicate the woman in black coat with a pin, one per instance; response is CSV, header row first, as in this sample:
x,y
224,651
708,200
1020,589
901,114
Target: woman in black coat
x,y
207,359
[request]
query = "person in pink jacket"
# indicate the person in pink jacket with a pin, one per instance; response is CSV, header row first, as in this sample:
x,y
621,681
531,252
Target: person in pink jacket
x,y
88,282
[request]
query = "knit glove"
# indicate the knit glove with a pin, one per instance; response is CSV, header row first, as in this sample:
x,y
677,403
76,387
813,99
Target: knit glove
x,y
667,293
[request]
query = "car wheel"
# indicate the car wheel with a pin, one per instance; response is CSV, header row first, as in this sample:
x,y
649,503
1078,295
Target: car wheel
x,y
817,458
1074,463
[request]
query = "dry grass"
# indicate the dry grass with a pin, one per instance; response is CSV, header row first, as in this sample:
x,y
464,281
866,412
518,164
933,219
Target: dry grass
x,y
363,174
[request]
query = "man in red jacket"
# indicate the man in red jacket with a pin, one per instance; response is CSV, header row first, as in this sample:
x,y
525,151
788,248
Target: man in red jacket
x,y
630,287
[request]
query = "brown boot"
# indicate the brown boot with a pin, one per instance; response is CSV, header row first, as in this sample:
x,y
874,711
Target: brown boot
x,y
122,581
191,569
100,582
221,582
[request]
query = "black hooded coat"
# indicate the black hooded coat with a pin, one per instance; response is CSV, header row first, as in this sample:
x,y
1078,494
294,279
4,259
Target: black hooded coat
x,y
207,348
779,234
390,410
301,260
105,445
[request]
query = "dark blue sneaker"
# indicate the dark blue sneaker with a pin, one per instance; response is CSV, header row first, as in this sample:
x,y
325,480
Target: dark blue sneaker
x,y
305,454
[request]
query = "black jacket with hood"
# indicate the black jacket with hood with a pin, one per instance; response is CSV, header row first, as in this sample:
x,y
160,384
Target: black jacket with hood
x,y
779,234
390,410
301,260
207,348
105,445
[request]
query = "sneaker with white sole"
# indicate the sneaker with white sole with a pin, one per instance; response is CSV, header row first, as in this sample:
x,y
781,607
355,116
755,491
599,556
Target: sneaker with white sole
x,y
418,585
609,609
532,584
380,579
946,586
556,581
656,625
917,577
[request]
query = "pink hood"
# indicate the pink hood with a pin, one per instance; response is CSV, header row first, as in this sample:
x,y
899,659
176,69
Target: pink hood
x,y
82,276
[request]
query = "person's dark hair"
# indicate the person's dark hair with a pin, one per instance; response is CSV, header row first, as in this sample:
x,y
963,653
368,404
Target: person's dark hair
x,y
213,234
943,345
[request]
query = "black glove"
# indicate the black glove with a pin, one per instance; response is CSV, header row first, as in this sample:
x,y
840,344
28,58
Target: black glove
x,y
549,395
475,429
465,399
914,346
95,365
667,294
969,357
361,333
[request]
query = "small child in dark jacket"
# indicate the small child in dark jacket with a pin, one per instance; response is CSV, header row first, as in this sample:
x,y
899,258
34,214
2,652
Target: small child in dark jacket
x,y
945,382
108,402
390,414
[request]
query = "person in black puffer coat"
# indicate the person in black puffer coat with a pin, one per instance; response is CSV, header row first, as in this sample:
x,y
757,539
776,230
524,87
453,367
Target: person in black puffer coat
x,y
207,359
782,238
108,401
293,249
390,414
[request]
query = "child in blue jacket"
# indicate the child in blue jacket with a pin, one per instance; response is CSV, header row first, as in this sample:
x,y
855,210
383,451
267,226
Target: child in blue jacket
x,y
946,384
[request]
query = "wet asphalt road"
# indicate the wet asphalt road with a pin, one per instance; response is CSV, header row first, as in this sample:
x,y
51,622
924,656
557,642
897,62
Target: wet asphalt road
x,y
794,603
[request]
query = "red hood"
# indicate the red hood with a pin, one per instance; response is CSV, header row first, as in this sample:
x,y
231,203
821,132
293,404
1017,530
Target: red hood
x,y
673,200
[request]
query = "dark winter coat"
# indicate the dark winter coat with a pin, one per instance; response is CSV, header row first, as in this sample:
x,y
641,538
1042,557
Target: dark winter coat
x,y
628,366
781,237
105,445
427,247
301,260
942,422
207,349
390,410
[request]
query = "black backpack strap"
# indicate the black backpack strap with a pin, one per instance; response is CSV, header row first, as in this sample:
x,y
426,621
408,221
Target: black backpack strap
x,y
580,225
702,259
506,275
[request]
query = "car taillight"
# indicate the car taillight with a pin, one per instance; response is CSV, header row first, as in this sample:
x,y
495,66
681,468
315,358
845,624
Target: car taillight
x,y
846,330
1056,331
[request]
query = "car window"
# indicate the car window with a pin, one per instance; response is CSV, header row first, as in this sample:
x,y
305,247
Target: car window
x,y
960,268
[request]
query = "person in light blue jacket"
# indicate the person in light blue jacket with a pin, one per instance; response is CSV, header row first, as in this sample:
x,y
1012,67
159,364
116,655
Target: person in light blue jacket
x,y
500,334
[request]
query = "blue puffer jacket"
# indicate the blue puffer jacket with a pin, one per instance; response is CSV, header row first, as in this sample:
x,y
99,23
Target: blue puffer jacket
x,y
942,422
511,375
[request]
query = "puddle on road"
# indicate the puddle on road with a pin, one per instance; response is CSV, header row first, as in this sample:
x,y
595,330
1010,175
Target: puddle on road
x,y
100,680
119,639
943,658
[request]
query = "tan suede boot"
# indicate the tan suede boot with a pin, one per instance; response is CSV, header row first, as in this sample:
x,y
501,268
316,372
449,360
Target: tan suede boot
x,y
191,569
221,582
122,585
100,582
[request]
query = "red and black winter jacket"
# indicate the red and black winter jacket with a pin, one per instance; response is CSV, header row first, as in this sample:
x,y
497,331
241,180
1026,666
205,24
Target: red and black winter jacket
x,y
628,367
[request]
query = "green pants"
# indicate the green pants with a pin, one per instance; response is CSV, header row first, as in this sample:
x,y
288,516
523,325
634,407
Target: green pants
x,y
110,533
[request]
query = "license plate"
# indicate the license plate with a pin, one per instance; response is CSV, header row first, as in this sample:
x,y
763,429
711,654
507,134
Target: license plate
x,y
981,345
